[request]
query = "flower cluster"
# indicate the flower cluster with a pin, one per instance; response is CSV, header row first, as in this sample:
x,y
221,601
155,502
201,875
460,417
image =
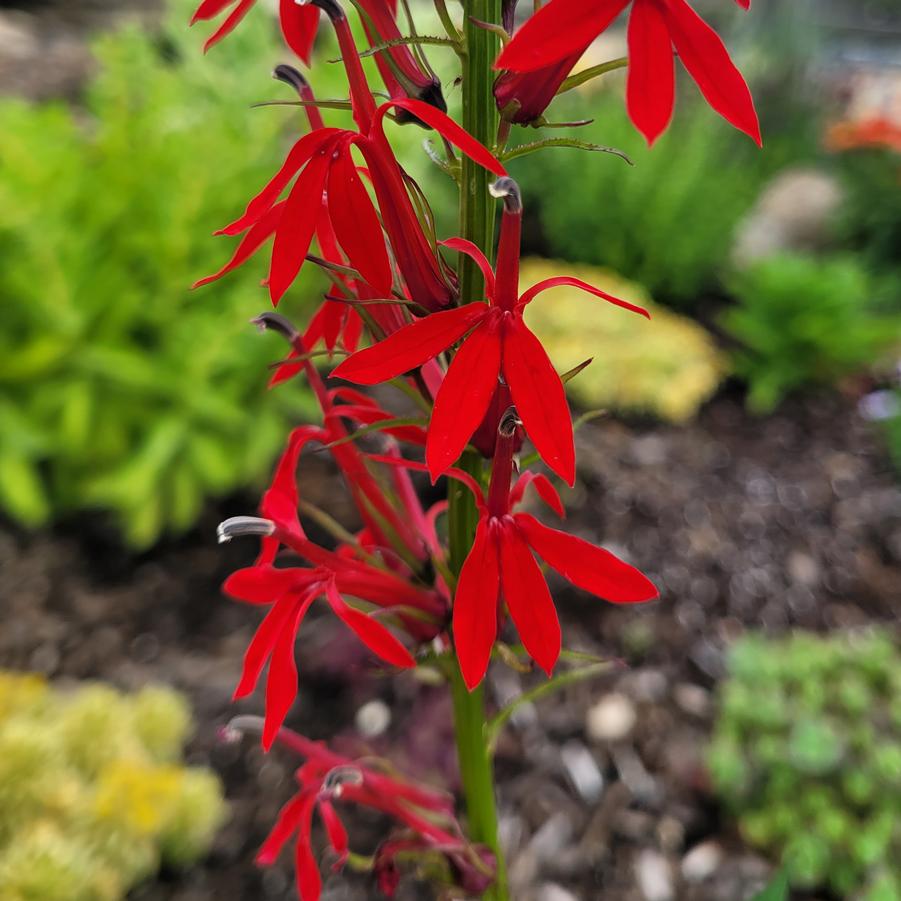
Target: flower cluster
x,y
480,378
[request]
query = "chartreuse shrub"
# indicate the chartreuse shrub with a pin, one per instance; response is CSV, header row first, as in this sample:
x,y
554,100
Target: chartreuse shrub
x,y
667,369
806,321
119,388
807,754
93,798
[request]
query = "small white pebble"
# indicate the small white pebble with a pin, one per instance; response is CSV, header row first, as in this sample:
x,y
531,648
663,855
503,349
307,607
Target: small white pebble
x,y
611,719
655,880
372,719
702,861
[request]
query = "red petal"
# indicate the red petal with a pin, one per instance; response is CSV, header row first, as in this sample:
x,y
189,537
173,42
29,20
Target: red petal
x,y
295,231
475,606
464,397
265,584
744,3
356,224
249,244
288,821
707,60
261,646
446,127
529,600
453,473
299,154
337,834
546,491
539,398
230,24
650,81
559,29
309,882
280,501
299,25
461,245
209,9
370,631
281,684
410,347
590,568
562,280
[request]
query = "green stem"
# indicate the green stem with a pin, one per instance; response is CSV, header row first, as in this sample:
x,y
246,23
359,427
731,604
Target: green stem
x,y
477,212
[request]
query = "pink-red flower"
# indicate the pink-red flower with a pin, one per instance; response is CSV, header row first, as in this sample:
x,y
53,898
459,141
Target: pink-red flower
x,y
299,22
501,570
562,30
321,165
497,342
327,780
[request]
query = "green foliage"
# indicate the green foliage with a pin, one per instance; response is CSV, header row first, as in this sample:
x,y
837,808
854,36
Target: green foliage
x,y
119,389
666,368
807,753
667,222
806,321
92,798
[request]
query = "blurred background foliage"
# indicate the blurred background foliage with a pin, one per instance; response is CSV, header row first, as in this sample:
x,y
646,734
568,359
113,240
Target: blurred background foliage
x,y
119,389
93,795
806,753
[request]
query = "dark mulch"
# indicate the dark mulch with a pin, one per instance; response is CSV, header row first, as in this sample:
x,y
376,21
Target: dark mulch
x,y
791,521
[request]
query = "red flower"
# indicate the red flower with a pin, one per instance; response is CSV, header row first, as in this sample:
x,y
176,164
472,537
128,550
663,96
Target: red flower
x,y
327,779
298,22
323,166
501,569
498,342
563,29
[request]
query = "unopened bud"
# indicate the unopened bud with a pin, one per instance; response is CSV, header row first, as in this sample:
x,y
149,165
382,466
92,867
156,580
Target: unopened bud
x,y
291,77
277,323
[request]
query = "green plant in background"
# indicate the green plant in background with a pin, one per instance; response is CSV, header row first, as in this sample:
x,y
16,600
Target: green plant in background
x,y
668,222
807,753
806,321
92,796
667,371
120,389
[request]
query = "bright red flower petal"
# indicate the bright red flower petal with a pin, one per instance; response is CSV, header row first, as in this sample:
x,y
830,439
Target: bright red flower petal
x,y
410,347
285,826
370,631
446,127
461,245
259,233
650,81
299,25
707,60
265,584
475,606
546,491
464,396
528,599
560,28
562,280
337,834
281,683
539,398
299,154
261,646
309,882
356,224
229,25
298,225
586,566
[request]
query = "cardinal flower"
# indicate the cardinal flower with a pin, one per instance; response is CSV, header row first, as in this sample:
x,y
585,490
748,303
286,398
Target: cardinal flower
x,y
298,22
501,570
562,29
327,780
497,342
321,164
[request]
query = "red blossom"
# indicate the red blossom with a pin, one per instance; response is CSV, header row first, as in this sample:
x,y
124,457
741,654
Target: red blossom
x,y
497,342
562,29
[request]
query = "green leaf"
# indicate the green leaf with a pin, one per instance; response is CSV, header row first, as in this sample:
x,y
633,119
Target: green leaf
x,y
22,493
574,143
